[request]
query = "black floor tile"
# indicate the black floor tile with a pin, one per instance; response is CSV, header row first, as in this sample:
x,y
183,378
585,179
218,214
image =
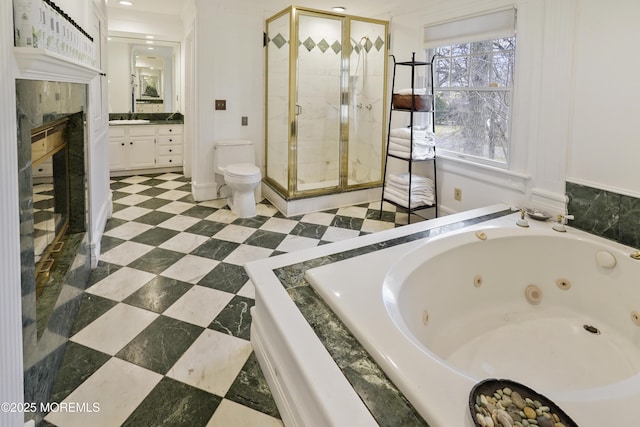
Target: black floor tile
x,y
155,236
161,344
156,260
225,277
91,307
235,318
175,404
215,249
250,389
158,294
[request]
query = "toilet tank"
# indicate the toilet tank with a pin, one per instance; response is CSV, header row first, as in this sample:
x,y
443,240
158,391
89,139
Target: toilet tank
x,y
228,152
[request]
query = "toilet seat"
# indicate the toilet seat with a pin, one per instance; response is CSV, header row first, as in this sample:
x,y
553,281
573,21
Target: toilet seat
x,y
242,170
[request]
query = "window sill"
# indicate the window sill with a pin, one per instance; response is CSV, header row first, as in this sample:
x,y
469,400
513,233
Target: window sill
x,y
481,172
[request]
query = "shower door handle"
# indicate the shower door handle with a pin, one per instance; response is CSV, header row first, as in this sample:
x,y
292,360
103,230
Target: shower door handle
x,y
298,110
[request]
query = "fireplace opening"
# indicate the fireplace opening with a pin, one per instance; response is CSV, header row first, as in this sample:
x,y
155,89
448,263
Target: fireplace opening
x,y
50,172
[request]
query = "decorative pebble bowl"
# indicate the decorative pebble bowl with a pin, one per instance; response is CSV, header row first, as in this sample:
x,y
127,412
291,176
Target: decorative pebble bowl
x,y
506,403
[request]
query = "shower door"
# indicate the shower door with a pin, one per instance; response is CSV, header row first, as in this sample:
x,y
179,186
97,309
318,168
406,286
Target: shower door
x,y
318,108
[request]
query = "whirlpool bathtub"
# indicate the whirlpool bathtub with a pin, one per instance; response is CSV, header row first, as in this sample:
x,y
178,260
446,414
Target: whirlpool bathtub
x,y
558,312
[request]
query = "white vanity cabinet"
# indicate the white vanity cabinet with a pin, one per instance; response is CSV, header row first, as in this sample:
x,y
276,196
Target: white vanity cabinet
x,y
144,147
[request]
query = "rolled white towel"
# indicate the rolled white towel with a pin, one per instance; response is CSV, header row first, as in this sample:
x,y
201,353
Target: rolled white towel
x,y
410,91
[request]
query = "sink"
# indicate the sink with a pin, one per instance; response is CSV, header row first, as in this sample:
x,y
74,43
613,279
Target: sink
x,y
128,122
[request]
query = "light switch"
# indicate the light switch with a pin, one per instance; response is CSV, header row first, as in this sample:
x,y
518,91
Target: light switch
x,y
221,104
245,121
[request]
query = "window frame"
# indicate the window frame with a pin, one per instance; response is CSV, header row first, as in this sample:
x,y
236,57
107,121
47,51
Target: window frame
x,y
491,87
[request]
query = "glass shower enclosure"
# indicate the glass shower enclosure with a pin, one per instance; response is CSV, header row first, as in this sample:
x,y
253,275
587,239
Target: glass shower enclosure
x,y
325,95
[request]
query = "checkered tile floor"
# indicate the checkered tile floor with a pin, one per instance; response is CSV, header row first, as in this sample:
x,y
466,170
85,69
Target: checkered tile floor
x,y
162,334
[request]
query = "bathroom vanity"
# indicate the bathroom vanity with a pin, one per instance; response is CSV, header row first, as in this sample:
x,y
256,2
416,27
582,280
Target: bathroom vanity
x,y
145,146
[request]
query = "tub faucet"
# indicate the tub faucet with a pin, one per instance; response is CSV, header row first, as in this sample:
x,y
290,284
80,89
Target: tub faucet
x,y
562,220
522,221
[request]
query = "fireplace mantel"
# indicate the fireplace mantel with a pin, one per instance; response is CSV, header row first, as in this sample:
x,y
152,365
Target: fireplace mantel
x,y
41,64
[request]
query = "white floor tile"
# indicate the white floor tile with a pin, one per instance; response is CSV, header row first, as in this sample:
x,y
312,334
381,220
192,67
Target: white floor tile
x,y
184,242
135,179
118,387
130,213
133,199
234,233
223,215
179,222
279,225
199,305
170,185
125,253
230,413
212,362
335,234
372,225
175,207
113,330
128,230
169,176
353,211
296,243
190,269
173,195
266,210
320,218
248,290
134,188
121,284
245,253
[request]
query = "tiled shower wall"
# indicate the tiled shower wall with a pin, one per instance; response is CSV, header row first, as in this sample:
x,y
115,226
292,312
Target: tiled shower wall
x,y
605,213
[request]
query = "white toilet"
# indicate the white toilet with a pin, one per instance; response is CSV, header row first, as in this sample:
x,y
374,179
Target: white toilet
x,y
235,160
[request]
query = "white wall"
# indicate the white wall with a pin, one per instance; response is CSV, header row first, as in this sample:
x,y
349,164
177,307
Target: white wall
x,y
119,78
605,132
229,65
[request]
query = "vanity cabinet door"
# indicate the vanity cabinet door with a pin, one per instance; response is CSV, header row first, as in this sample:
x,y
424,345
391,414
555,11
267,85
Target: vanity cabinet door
x,y
141,152
117,154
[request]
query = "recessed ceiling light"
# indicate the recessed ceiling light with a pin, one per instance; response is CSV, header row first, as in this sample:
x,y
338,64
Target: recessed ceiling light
x,y
149,42
149,48
149,37
126,3
339,9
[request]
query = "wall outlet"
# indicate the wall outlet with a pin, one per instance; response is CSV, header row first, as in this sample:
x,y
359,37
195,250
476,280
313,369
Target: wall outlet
x,y
220,104
457,194
245,121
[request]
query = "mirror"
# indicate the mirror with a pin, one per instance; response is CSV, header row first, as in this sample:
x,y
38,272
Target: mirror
x,y
144,76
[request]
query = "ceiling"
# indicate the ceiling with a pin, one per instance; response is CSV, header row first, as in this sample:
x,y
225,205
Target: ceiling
x,y
371,8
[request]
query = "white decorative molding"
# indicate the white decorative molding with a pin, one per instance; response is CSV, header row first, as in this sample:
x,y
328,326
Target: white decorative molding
x,y
484,173
41,64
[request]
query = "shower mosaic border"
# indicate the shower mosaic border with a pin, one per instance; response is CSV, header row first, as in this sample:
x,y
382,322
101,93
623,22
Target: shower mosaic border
x,y
387,404
605,213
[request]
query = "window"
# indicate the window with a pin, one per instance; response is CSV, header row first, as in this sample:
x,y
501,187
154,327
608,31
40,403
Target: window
x,y
473,84
473,89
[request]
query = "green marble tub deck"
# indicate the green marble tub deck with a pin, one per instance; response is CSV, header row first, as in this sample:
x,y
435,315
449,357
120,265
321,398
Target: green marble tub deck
x,y
387,404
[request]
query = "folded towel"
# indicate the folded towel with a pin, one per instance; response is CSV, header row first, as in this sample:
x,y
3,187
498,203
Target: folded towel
x,y
418,153
410,91
405,132
425,142
404,201
403,179
427,197
424,189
